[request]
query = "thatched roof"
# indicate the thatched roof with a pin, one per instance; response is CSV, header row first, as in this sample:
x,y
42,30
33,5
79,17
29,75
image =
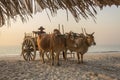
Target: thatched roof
x,y
24,8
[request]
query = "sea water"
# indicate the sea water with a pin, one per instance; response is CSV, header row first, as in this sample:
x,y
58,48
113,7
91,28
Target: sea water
x,y
104,49
16,50
10,50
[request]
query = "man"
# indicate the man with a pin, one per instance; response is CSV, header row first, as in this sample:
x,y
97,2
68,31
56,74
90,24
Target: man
x,y
41,30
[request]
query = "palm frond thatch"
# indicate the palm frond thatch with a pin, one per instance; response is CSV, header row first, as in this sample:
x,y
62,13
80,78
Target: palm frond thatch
x,y
24,8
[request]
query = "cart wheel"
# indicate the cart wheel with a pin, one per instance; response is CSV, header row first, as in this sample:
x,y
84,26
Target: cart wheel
x,y
28,49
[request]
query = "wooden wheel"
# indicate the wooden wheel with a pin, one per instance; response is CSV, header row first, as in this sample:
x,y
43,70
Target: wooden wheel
x,y
28,49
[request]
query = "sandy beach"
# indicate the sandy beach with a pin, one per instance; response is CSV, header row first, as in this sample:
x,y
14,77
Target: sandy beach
x,y
104,66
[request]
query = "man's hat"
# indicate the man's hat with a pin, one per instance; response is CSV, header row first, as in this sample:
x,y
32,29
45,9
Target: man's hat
x,y
41,28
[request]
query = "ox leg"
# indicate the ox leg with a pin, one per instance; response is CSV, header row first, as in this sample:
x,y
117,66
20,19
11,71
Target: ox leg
x,y
71,54
81,58
52,57
78,57
65,55
48,55
57,58
40,53
43,61
42,56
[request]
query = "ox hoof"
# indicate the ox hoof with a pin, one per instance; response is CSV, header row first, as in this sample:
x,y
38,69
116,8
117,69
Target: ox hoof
x,y
52,64
66,60
78,62
58,64
43,62
81,62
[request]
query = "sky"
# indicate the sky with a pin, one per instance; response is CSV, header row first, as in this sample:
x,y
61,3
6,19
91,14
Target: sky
x,y
106,28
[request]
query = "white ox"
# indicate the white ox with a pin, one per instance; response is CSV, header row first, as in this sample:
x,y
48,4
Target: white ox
x,y
83,42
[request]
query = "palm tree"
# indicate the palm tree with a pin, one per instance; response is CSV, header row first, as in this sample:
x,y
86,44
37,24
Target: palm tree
x,y
24,8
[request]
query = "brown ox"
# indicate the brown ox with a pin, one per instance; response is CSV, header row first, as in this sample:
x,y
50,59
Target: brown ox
x,y
83,43
54,42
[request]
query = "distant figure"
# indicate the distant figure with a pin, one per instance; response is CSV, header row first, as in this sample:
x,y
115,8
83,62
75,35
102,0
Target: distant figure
x,y
41,30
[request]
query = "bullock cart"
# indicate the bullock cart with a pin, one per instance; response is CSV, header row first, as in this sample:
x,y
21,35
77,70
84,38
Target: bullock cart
x,y
29,46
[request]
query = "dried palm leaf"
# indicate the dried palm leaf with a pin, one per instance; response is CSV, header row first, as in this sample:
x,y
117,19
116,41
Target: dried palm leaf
x,y
24,8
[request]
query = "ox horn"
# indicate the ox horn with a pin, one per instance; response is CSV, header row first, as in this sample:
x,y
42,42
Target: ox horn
x,y
85,31
82,30
93,33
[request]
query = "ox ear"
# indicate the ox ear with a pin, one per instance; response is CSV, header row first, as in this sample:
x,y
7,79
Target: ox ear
x,y
92,33
72,37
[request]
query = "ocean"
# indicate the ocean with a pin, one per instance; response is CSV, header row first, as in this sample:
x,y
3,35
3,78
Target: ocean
x,y
104,49
16,50
10,50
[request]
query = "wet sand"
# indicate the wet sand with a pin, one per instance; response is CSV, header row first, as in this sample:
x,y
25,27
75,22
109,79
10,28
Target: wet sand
x,y
104,66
